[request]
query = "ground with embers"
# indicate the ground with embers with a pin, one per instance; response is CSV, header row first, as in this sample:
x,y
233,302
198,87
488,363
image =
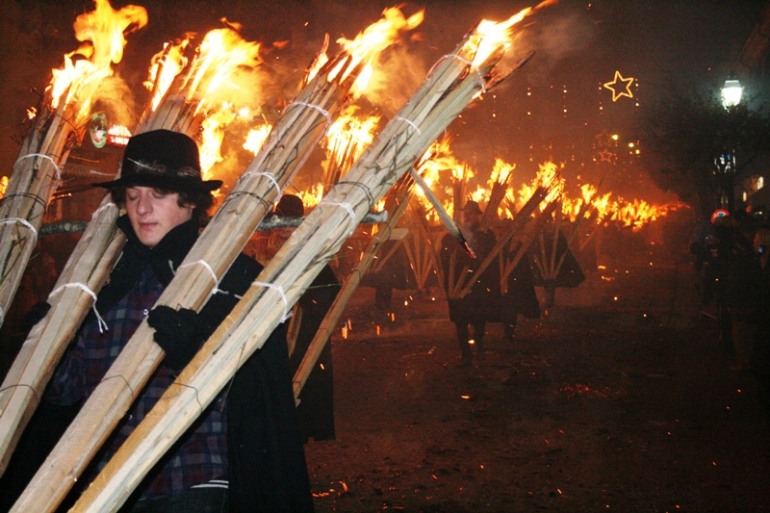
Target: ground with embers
x,y
621,399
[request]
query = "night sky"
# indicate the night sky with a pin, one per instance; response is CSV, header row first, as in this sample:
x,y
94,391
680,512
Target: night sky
x,y
552,108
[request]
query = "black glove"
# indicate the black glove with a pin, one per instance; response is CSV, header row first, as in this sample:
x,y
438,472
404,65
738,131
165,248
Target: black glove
x,y
34,315
179,332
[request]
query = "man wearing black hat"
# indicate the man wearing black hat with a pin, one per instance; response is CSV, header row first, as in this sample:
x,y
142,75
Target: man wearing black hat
x,y
249,436
480,304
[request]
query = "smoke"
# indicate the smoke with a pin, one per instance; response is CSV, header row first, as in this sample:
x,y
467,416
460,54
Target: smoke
x,y
399,73
115,98
553,36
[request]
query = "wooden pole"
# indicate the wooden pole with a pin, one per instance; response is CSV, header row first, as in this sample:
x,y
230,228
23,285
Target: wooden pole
x,y
72,296
400,200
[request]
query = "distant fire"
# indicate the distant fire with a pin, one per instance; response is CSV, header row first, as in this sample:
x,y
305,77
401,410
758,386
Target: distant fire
x,y
213,75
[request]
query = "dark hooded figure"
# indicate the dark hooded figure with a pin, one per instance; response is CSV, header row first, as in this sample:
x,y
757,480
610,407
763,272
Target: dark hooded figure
x,y
481,303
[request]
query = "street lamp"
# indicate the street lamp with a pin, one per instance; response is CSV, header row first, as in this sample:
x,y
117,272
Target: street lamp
x,y
732,92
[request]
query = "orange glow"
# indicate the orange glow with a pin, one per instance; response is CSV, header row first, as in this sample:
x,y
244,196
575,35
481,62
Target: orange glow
x,y
102,36
368,45
312,196
222,57
348,137
256,138
164,68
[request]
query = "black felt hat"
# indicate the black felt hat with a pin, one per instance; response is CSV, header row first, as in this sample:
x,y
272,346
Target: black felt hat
x,y
471,207
162,159
290,206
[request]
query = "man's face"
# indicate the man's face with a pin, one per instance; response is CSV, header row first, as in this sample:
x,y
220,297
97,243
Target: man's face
x,y
153,213
471,219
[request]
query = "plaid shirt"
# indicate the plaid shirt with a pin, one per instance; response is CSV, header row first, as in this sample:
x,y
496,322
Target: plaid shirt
x,y
199,456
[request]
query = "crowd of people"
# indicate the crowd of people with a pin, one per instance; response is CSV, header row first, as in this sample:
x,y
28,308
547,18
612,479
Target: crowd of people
x,y
485,301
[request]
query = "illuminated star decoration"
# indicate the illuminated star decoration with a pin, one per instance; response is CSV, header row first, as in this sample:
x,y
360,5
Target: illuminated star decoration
x,y
618,90
606,156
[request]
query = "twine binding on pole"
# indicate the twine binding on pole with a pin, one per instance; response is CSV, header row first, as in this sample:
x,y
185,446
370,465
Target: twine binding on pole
x,y
323,111
271,177
23,222
208,267
348,208
82,286
409,122
286,311
42,156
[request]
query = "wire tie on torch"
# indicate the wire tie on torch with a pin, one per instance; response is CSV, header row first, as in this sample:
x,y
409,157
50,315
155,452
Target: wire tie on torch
x,y
273,286
23,222
208,267
42,156
197,399
21,385
270,176
82,286
348,208
313,106
363,187
409,122
123,378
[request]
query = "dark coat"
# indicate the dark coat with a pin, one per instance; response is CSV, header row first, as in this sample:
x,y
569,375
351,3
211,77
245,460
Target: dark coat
x,y
267,468
482,300
521,298
316,407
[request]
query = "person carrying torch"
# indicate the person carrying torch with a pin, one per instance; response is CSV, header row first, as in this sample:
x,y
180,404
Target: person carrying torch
x,y
245,452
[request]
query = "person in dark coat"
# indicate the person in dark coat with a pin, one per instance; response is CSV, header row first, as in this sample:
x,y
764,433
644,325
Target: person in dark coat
x,y
316,400
520,298
248,439
480,304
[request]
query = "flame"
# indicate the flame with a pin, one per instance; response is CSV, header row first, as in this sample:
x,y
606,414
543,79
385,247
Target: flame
x,y
491,37
348,137
3,185
312,196
320,60
222,56
102,36
212,134
440,159
370,43
256,138
164,68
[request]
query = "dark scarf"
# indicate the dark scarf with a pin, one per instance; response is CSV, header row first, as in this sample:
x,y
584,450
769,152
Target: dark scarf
x,y
163,259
